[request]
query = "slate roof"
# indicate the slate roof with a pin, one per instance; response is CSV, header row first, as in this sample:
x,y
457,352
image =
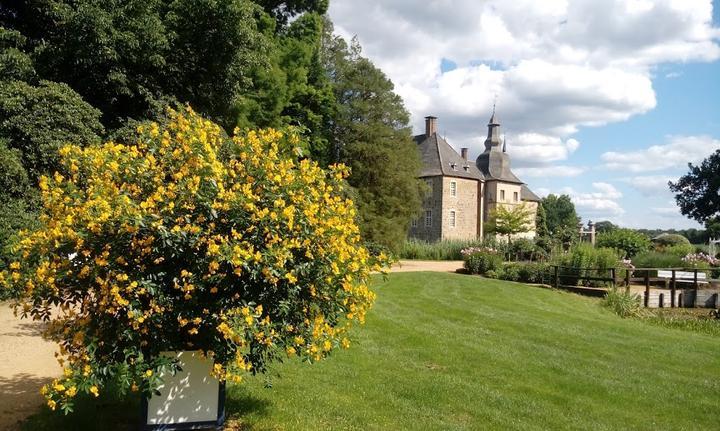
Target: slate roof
x,y
438,158
494,162
527,195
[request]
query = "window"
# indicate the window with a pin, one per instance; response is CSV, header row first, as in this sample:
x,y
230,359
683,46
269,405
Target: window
x,y
413,223
428,218
515,196
452,218
453,188
502,195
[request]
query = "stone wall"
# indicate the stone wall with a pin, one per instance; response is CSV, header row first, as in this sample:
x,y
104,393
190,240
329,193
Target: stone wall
x,y
465,206
508,194
432,203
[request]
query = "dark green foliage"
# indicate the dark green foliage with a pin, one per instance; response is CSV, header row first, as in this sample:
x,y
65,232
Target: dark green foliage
x,y
623,302
670,239
18,199
523,249
604,226
371,135
561,219
14,63
482,260
38,120
129,58
696,192
584,260
655,259
629,241
440,250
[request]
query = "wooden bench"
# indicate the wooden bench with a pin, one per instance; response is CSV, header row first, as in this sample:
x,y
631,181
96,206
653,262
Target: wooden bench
x,y
683,276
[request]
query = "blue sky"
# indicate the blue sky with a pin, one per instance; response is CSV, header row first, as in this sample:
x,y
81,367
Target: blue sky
x,y
605,101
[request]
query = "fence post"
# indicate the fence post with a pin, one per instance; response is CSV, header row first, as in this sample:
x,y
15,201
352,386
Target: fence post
x,y
695,283
672,290
613,274
627,279
557,276
647,288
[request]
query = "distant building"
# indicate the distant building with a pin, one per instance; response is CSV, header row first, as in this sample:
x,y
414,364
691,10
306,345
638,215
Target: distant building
x,y
462,193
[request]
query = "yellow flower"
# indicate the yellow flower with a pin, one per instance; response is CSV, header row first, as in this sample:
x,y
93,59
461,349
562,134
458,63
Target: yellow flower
x,y
51,404
94,390
71,391
148,373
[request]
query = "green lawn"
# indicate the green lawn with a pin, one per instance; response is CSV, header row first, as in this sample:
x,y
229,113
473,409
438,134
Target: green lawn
x,y
445,351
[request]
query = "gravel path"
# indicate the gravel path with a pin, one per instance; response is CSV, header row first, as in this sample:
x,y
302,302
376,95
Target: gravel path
x,y
27,361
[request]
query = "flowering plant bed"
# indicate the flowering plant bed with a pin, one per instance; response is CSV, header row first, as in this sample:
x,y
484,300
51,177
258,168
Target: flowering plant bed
x,y
188,240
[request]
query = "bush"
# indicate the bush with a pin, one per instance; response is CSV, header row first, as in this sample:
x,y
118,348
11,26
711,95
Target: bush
x,y
522,249
629,241
583,260
525,272
441,250
669,240
510,271
187,240
655,259
680,250
623,303
480,260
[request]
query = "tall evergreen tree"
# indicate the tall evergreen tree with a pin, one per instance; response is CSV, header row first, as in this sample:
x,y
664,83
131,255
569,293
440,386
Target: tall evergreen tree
x,y
370,133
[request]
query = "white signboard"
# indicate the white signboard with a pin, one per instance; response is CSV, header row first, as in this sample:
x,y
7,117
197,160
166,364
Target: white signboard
x,y
189,397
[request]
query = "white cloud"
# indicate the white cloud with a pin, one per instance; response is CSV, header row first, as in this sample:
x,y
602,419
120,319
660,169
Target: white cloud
x,y
602,202
550,171
651,185
555,65
677,154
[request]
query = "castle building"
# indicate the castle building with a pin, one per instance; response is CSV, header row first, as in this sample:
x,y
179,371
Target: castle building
x,y
462,194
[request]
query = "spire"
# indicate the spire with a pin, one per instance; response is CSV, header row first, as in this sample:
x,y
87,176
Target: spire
x,y
493,137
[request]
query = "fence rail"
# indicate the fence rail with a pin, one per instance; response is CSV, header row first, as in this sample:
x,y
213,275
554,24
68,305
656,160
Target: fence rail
x,y
642,276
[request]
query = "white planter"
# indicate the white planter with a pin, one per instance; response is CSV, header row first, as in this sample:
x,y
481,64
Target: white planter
x,y
191,399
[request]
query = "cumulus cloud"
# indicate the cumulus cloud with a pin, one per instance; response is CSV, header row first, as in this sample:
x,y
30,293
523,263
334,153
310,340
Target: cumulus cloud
x,y
651,185
680,151
601,202
551,171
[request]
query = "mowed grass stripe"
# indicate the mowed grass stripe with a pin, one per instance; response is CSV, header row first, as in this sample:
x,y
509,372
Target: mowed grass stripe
x,y
445,351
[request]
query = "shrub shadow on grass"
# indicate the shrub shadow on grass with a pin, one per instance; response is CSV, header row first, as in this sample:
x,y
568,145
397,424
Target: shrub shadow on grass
x,y
104,413
240,404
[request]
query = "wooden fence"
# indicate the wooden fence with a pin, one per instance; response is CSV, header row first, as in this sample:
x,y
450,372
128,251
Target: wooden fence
x,y
664,277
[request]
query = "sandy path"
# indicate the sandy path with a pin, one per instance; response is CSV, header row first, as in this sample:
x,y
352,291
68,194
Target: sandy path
x,y
26,363
427,265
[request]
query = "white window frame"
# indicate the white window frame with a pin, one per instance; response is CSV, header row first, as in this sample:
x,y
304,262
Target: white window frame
x,y
453,188
516,197
502,195
428,218
453,219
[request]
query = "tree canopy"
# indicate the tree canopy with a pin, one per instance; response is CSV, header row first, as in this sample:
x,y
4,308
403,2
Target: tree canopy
x,y
561,219
697,193
240,63
510,220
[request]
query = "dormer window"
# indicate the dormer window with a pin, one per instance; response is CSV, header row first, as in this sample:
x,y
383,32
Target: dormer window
x,y
466,167
453,166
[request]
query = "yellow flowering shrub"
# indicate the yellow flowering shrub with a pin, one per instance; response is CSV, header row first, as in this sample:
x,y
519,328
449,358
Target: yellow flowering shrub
x,y
189,240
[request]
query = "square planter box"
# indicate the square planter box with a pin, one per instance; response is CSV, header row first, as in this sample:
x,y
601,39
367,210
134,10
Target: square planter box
x,y
190,399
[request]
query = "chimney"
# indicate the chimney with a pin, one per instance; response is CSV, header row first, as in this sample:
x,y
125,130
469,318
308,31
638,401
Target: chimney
x,y
430,126
464,153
